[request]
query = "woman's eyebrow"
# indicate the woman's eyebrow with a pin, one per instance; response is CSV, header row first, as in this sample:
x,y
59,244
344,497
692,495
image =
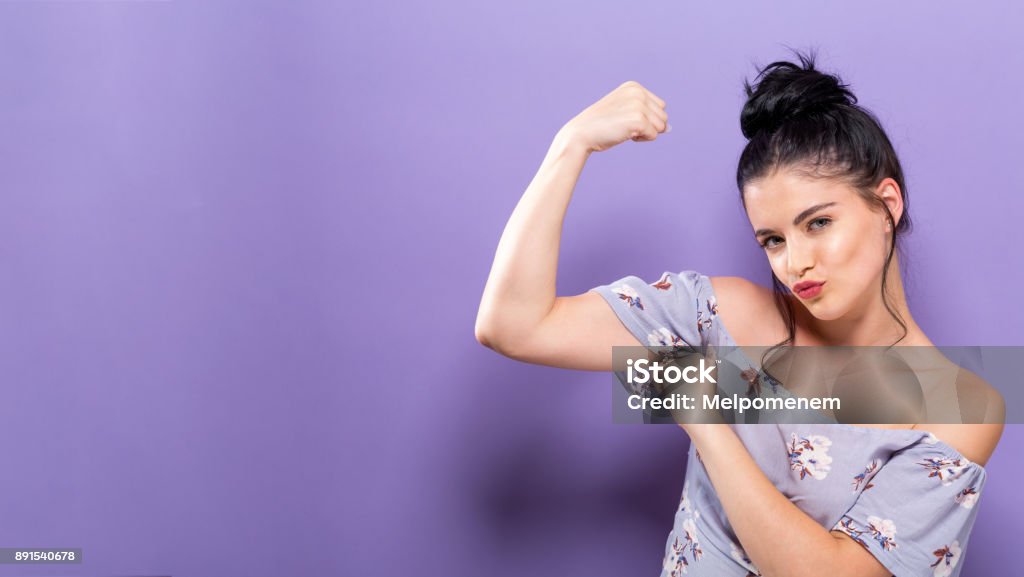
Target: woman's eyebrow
x,y
800,217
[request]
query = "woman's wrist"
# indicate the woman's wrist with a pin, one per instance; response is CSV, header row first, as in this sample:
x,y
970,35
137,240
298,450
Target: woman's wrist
x,y
701,433
568,141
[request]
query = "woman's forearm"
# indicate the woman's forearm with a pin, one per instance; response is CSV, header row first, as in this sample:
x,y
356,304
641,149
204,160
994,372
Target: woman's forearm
x,y
520,289
776,535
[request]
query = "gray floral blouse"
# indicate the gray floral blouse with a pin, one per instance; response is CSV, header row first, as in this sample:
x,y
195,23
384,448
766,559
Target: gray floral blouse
x,y
904,495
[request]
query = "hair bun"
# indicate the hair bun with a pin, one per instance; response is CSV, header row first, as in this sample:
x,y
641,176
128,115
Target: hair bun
x,y
785,91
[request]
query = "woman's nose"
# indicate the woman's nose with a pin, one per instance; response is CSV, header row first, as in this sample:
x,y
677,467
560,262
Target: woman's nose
x,y
801,258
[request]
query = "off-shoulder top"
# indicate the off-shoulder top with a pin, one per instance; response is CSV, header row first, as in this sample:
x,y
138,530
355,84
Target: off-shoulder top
x,y
904,495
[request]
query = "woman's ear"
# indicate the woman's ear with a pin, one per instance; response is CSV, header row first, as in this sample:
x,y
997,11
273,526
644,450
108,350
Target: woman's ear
x,y
889,193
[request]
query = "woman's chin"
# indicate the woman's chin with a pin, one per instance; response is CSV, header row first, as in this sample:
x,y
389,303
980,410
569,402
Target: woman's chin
x,y
823,311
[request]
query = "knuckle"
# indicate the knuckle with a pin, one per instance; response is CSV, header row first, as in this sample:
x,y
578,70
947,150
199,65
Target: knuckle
x,y
633,89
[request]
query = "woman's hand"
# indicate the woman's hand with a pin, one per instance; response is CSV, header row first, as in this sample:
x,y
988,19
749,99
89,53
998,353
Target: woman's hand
x,y
699,419
695,415
630,112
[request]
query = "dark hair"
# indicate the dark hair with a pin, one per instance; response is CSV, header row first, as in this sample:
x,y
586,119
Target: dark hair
x,y
798,118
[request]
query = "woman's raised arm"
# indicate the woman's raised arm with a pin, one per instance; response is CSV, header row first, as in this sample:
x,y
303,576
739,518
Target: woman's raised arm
x,y
520,316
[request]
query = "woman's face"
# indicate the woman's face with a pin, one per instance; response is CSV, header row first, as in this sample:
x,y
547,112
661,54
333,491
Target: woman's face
x,y
823,231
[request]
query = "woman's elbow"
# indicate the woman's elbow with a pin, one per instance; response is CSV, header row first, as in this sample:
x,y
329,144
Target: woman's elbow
x,y
488,333
505,340
483,334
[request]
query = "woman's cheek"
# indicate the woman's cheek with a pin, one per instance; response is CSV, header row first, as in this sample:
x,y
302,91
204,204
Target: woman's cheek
x,y
859,262
849,250
841,246
777,260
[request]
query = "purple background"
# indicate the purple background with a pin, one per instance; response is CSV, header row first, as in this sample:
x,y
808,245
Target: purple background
x,y
243,245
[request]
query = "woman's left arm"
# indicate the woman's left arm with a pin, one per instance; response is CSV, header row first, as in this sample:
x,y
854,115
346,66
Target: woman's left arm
x,y
753,506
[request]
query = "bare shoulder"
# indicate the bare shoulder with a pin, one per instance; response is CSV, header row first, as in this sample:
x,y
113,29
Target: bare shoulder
x,y
982,406
748,311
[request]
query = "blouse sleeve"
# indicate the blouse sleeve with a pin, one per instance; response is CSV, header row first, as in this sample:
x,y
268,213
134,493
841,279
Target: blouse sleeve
x,y
916,512
677,310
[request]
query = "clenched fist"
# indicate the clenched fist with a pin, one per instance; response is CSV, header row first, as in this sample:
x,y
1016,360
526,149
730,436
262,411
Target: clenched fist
x,y
630,112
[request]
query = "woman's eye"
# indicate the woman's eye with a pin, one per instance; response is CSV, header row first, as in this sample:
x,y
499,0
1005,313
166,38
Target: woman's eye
x,y
816,224
823,220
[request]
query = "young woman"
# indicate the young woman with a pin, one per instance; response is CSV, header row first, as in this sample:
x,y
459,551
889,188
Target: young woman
x,y
825,196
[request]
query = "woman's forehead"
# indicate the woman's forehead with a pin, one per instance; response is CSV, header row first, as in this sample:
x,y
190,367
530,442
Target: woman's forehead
x,y
786,192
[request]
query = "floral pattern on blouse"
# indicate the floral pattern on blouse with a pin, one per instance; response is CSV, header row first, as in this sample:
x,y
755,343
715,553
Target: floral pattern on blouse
x,y
967,497
846,525
704,323
865,477
664,338
690,531
629,295
675,562
947,470
684,502
947,558
881,530
664,283
809,455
